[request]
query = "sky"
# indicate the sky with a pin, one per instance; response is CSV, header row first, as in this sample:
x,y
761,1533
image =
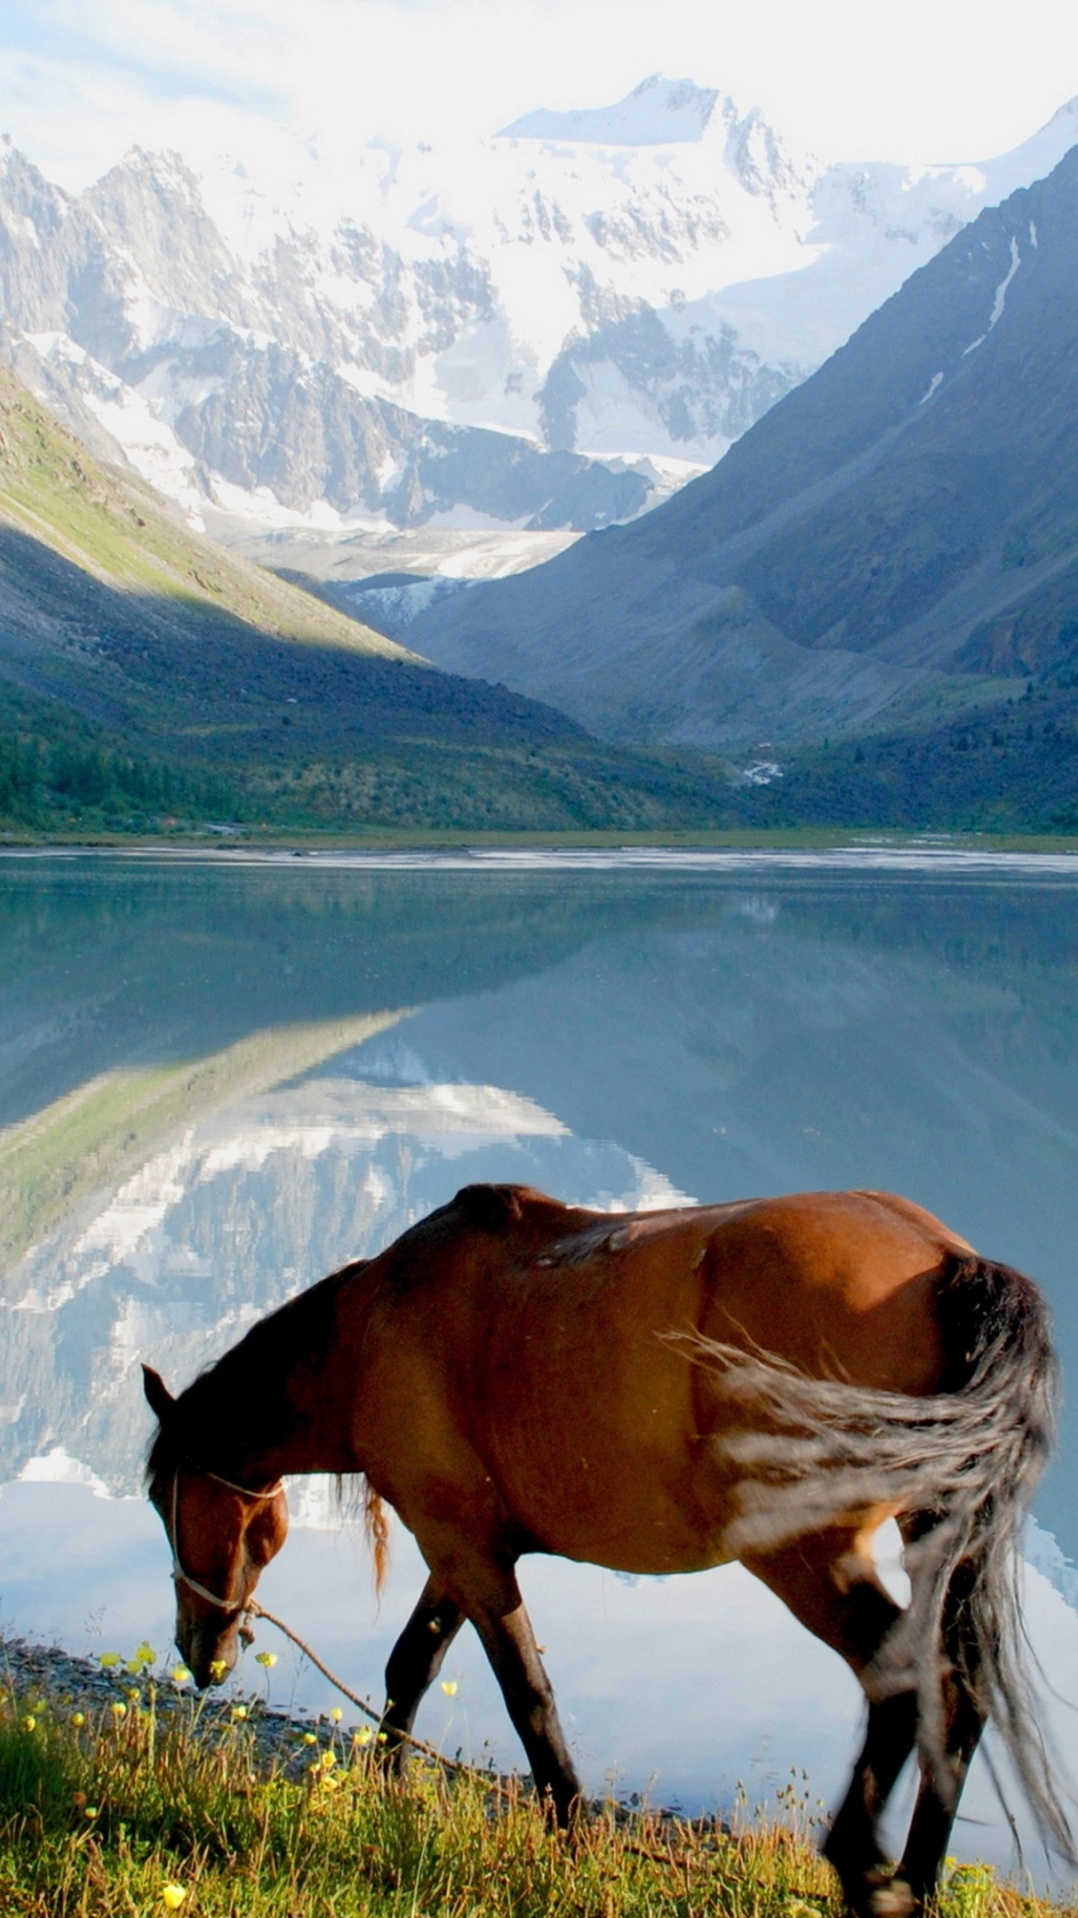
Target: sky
x,y
910,80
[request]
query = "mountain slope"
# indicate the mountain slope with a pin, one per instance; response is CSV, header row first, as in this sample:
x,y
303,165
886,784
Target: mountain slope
x,y
113,609
146,678
896,536
273,385
118,531
552,327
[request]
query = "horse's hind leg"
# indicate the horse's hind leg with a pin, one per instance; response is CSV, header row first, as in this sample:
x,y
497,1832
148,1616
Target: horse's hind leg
x,y
414,1664
852,1844
963,1722
829,1581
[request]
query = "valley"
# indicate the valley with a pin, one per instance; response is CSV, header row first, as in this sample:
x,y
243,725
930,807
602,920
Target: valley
x,y
365,506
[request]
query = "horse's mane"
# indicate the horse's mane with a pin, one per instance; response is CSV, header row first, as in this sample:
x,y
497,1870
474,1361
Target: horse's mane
x,y
239,1407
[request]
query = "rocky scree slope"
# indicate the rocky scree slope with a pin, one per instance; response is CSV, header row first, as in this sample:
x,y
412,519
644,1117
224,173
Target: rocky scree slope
x,y
895,540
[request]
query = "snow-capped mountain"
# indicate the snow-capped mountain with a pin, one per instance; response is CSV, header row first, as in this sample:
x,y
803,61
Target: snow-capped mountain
x,y
549,328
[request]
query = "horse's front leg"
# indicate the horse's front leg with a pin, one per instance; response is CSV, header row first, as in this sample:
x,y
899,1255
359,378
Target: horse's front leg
x,y
488,1593
414,1664
509,1642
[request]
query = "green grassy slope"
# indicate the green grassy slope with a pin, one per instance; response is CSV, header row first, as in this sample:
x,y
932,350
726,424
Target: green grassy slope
x,y
148,678
112,527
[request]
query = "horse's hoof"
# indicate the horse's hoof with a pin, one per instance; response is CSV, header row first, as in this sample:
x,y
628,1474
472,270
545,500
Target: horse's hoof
x,y
893,1900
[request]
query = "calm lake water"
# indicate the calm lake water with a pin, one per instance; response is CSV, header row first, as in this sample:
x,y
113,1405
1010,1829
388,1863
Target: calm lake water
x,y
220,1079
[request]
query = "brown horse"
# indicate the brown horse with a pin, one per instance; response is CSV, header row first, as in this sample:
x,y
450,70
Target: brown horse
x,y
659,1392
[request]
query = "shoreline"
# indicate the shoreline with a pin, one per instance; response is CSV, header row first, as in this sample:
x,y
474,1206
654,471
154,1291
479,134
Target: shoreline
x,y
231,843
935,854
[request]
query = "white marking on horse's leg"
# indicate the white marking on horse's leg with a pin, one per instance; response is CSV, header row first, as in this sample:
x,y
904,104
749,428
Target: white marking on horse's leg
x,y
894,1900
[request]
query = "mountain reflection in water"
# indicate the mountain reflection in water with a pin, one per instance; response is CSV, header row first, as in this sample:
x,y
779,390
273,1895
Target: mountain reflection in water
x,y
216,1085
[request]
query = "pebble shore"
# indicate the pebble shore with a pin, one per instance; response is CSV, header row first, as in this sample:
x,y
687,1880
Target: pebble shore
x,y
72,1683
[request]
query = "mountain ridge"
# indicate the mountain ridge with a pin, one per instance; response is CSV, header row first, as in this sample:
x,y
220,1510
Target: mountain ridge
x,y
517,331
814,581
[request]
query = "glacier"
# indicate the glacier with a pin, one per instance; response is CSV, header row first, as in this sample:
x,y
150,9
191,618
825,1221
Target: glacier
x,y
549,329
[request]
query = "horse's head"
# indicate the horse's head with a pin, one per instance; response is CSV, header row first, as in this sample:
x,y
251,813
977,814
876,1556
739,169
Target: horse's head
x,y
222,1535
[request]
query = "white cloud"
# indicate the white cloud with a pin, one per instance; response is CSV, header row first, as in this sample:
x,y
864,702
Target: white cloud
x,y
909,79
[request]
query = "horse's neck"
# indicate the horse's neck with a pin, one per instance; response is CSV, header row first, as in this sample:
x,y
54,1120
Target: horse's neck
x,y
275,1413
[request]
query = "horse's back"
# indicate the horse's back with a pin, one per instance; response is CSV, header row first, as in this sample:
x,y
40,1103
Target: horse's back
x,y
531,1343
840,1282
819,1278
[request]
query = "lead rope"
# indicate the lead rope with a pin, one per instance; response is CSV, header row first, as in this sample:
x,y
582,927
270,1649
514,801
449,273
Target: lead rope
x,y
454,1765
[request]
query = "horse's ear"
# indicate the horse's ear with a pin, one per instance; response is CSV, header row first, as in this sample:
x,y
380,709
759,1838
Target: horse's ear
x,y
158,1397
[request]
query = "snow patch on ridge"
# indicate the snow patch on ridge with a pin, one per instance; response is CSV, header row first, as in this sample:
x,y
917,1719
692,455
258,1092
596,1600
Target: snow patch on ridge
x,y
999,300
1001,291
658,112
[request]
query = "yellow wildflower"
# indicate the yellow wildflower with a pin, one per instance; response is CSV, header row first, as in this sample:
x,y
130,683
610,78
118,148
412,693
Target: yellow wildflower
x,y
268,1659
329,1759
449,1687
363,1736
218,1668
336,1714
28,1723
309,1738
173,1896
118,1710
109,1659
179,1675
239,1711
78,1719
145,1653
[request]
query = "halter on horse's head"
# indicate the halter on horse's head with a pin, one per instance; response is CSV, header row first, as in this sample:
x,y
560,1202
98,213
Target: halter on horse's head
x,y
221,1533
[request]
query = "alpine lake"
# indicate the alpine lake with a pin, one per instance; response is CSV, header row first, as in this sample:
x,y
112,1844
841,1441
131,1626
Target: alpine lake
x,y
220,1078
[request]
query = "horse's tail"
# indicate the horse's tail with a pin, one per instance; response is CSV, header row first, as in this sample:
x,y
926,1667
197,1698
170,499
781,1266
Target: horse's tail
x,y
960,1467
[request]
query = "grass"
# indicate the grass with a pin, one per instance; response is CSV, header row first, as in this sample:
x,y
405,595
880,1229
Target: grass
x,y
150,1801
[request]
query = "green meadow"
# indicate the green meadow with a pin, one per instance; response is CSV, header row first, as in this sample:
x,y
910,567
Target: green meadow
x,y
141,1799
